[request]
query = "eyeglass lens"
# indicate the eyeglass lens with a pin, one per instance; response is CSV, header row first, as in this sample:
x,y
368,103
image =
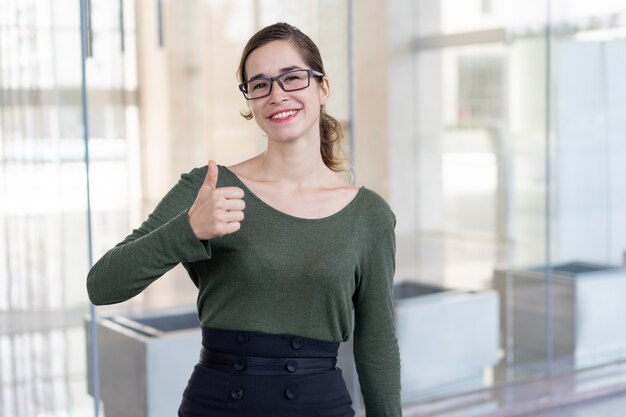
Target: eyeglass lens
x,y
290,81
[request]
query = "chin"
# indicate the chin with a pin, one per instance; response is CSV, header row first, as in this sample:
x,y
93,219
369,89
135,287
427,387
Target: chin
x,y
284,136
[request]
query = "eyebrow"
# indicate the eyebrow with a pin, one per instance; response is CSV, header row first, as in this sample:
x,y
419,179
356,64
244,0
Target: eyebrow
x,y
281,71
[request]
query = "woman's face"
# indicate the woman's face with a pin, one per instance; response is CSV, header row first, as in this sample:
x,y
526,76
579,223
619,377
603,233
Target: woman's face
x,y
285,115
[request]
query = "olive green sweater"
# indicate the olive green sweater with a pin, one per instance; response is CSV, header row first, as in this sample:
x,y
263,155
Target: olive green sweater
x,y
277,274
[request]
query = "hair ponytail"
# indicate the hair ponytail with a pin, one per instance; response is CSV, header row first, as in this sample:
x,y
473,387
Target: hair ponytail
x,y
330,142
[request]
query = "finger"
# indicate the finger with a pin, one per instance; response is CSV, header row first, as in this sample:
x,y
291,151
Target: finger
x,y
232,227
234,204
231,192
211,175
234,216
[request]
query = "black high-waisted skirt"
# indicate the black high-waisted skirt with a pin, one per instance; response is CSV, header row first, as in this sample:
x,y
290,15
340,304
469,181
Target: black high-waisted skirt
x,y
255,374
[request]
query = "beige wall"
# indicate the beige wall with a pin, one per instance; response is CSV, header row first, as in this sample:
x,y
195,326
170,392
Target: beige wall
x,y
370,85
188,92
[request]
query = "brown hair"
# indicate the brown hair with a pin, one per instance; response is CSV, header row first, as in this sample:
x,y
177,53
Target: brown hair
x,y
330,130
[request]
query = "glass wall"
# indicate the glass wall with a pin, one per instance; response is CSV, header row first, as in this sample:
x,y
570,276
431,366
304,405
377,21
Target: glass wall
x,y
45,237
43,201
495,130
505,138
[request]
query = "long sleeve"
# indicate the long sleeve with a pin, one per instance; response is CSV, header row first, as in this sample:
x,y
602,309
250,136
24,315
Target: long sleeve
x,y
376,351
160,243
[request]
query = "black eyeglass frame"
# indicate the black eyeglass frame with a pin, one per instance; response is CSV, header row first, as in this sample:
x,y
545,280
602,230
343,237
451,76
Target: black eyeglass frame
x,y
270,80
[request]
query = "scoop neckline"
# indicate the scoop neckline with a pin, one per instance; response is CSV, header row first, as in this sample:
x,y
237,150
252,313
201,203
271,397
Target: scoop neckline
x,y
282,213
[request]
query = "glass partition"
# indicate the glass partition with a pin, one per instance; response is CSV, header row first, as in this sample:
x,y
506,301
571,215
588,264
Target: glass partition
x,y
113,121
506,140
589,206
43,212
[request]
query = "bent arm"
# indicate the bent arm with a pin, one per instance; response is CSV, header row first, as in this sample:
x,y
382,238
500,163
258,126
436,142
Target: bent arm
x,y
160,243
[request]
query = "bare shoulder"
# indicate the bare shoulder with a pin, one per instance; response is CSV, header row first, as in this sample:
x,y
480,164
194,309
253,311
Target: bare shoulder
x,y
346,189
245,168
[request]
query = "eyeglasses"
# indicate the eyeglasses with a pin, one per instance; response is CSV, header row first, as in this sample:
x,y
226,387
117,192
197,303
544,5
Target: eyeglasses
x,y
294,80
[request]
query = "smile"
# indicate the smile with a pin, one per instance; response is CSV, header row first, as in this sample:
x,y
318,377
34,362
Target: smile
x,y
284,115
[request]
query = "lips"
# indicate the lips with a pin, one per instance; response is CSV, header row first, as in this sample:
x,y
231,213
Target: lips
x,y
284,115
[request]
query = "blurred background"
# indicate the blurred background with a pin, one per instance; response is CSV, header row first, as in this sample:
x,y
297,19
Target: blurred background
x,y
495,129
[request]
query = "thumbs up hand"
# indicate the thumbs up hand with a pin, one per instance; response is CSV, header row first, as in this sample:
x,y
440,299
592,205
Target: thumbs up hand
x,y
216,211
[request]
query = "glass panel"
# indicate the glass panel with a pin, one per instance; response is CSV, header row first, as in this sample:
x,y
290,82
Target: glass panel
x,y
589,185
43,207
468,184
499,183
113,125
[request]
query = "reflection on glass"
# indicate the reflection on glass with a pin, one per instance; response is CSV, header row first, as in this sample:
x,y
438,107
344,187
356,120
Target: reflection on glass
x,y
478,145
43,228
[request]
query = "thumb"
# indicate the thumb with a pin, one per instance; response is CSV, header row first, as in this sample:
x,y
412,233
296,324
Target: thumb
x,y
211,176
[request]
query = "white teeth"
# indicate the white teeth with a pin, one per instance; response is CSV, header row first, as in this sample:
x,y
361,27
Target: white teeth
x,y
283,114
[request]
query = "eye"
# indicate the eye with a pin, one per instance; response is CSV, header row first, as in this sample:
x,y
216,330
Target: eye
x,y
258,85
292,78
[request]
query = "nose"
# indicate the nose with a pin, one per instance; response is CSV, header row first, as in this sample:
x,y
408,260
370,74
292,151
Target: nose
x,y
276,92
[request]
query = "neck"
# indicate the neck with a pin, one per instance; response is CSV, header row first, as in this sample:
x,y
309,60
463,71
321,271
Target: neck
x,y
296,163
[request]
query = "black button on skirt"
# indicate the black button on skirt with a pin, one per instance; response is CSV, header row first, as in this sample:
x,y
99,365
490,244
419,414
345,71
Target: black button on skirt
x,y
255,374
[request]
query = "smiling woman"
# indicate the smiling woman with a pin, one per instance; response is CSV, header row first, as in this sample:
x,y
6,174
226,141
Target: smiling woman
x,y
277,286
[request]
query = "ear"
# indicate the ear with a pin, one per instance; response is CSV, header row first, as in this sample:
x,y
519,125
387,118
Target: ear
x,y
324,90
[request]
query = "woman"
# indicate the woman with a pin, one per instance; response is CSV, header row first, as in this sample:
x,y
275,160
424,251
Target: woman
x,y
276,288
